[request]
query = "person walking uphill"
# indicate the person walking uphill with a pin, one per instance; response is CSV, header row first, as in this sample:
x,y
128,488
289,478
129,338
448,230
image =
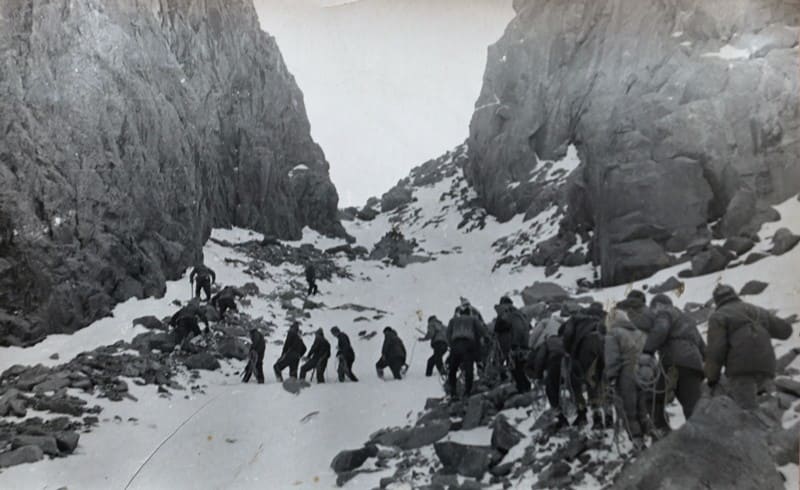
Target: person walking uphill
x,y
226,300
463,335
680,346
583,337
255,364
185,321
311,279
293,350
513,335
202,277
318,357
739,340
345,355
393,354
623,344
437,334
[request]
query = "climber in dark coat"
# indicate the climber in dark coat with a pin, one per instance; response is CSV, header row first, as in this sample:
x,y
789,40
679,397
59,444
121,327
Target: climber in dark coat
x,y
740,340
293,350
255,363
202,277
681,349
318,357
437,334
512,330
185,321
583,336
311,279
464,333
635,306
545,362
345,355
226,300
393,354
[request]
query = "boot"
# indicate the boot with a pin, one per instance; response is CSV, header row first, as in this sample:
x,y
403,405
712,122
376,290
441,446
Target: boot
x,y
380,372
278,375
580,419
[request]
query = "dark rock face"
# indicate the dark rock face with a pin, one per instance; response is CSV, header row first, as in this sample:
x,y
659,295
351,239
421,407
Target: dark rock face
x,y
129,130
674,130
720,445
466,460
753,287
352,459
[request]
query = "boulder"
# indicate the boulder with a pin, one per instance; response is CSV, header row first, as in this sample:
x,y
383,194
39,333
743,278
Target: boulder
x,y
27,454
752,288
714,259
786,359
295,385
466,460
46,443
350,460
504,435
477,406
149,322
67,441
739,245
149,341
397,196
543,292
202,360
519,400
233,348
367,214
413,437
783,240
754,257
670,284
788,385
720,445
635,260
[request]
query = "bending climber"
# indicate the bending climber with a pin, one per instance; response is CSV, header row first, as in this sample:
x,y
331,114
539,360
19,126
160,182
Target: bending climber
x,y
318,355
345,355
437,334
583,336
185,321
393,354
293,350
226,300
202,277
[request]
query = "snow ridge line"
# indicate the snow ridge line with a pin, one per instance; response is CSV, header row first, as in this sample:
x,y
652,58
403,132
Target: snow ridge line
x,y
190,417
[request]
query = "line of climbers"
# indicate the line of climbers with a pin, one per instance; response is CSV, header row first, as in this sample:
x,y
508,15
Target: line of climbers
x,y
635,358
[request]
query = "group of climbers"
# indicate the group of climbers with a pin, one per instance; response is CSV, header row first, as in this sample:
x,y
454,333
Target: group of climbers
x,y
635,358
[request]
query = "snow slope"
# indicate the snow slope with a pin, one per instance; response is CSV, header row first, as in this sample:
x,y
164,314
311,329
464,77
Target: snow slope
x,y
224,434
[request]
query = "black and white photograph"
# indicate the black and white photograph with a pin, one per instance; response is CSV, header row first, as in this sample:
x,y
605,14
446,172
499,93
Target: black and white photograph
x,y
399,244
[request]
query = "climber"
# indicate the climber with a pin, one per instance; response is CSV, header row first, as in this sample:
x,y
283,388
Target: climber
x,y
680,348
255,363
345,355
545,362
512,330
635,306
464,333
583,336
202,277
293,350
739,336
318,355
185,321
437,334
393,354
311,279
226,300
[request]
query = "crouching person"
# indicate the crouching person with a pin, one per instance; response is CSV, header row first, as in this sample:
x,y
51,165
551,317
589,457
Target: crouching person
x,y
393,354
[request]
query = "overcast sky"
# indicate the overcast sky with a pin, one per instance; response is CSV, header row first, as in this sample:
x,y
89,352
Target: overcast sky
x,y
388,84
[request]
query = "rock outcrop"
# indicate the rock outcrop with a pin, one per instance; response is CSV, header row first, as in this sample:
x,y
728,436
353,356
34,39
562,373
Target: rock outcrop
x,y
130,129
683,113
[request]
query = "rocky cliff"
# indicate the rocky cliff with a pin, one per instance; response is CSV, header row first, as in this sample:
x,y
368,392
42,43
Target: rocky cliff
x,y
129,129
684,114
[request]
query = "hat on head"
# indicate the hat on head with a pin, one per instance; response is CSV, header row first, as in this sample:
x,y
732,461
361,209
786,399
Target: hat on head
x,y
724,293
505,300
660,299
387,329
637,295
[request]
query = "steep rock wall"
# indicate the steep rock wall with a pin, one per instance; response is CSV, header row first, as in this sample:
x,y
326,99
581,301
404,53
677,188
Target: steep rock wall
x,y
130,128
684,113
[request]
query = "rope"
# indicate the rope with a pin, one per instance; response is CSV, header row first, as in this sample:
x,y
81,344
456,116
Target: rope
x,y
166,440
